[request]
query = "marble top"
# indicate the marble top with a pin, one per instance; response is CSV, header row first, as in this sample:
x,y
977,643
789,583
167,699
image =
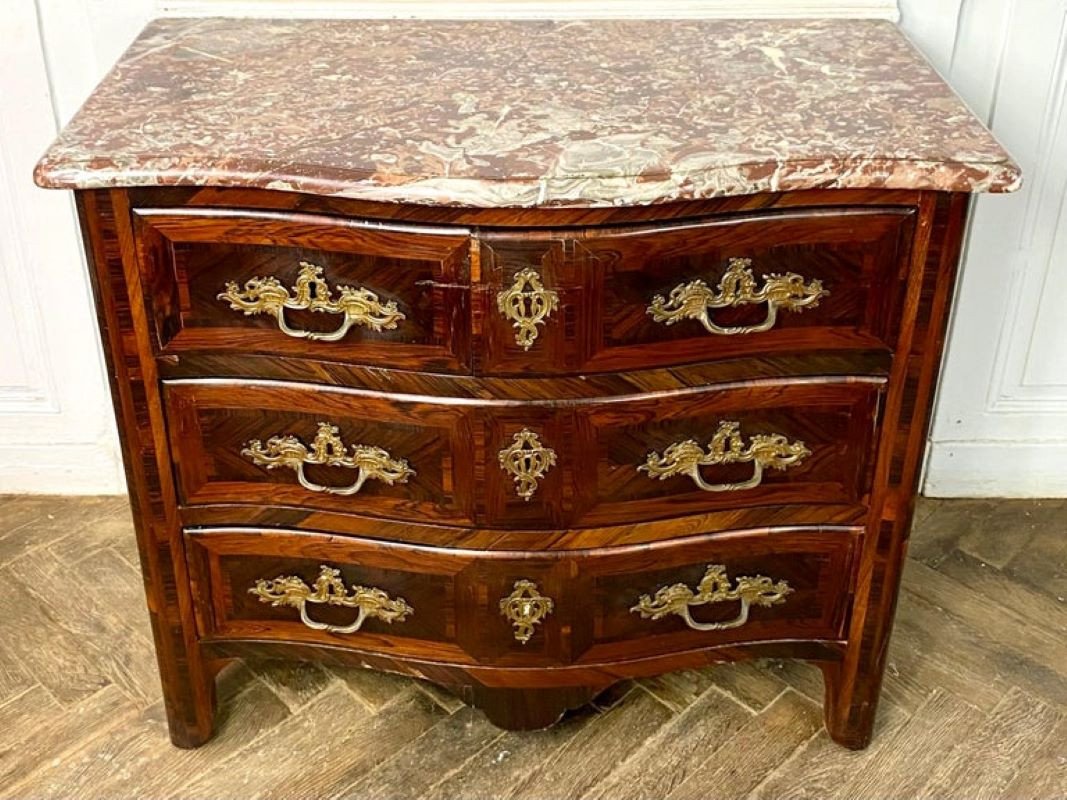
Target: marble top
x,y
526,113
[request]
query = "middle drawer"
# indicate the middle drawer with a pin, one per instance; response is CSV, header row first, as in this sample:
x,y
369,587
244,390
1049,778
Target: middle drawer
x,y
462,461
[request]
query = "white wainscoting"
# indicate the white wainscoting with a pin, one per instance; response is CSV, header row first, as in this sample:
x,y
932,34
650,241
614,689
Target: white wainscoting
x,y
56,427
1000,426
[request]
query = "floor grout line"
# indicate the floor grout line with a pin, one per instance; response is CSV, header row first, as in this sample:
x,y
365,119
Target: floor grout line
x,y
796,754
74,747
15,697
456,771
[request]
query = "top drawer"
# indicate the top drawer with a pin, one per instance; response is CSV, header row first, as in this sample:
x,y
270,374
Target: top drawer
x,y
633,298
309,286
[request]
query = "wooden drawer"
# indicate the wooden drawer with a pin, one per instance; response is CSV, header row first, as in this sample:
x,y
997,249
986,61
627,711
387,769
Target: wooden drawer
x,y
227,565
638,592
766,443
416,456
568,302
582,607
311,286
537,464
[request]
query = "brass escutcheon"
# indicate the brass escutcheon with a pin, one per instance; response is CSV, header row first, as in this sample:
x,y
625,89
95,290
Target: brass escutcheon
x,y
524,608
527,461
527,303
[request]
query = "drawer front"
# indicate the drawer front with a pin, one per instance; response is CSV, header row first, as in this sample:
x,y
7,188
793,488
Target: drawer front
x,y
263,585
792,583
513,609
691,292
537,465
302,446
767,443
307,286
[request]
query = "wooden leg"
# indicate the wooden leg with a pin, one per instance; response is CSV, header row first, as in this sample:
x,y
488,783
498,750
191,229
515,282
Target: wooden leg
x,y
849,708
527,709
853,685
190,712
188,682
188,678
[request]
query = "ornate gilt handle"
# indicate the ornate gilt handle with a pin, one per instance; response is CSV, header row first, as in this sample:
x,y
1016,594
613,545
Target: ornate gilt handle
x,y
737,287
328,449
714,587
726,447
527,303
329,589
358,306
524,608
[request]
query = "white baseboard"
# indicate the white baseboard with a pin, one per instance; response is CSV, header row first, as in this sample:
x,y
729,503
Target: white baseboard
x,y
77,469
996,469
532,9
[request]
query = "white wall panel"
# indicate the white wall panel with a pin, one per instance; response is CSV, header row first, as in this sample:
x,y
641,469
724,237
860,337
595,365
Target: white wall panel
x,y
82,39
56,429
1001,422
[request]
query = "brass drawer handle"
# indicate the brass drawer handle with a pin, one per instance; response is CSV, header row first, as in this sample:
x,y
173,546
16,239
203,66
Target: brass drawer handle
x,y
312,293
726,447
736,288
328,449
372,603
527,303
714,587
527,461
524,608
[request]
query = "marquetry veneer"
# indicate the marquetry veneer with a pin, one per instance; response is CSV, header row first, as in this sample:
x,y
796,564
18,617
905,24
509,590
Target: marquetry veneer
x,y
472,445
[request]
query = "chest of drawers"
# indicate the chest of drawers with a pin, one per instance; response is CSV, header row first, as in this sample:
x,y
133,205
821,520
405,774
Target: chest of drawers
x,y
523,447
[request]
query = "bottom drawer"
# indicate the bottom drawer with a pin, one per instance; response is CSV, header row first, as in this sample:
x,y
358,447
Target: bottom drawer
x,y
506,608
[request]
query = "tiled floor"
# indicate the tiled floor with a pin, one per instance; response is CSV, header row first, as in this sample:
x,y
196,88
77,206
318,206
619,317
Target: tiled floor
x,y
975,699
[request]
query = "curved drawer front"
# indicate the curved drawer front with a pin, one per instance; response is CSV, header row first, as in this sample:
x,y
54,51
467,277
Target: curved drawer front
x,y
287,586
737,587
767,443
689,292
536,464
303,446
515,609
311,286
